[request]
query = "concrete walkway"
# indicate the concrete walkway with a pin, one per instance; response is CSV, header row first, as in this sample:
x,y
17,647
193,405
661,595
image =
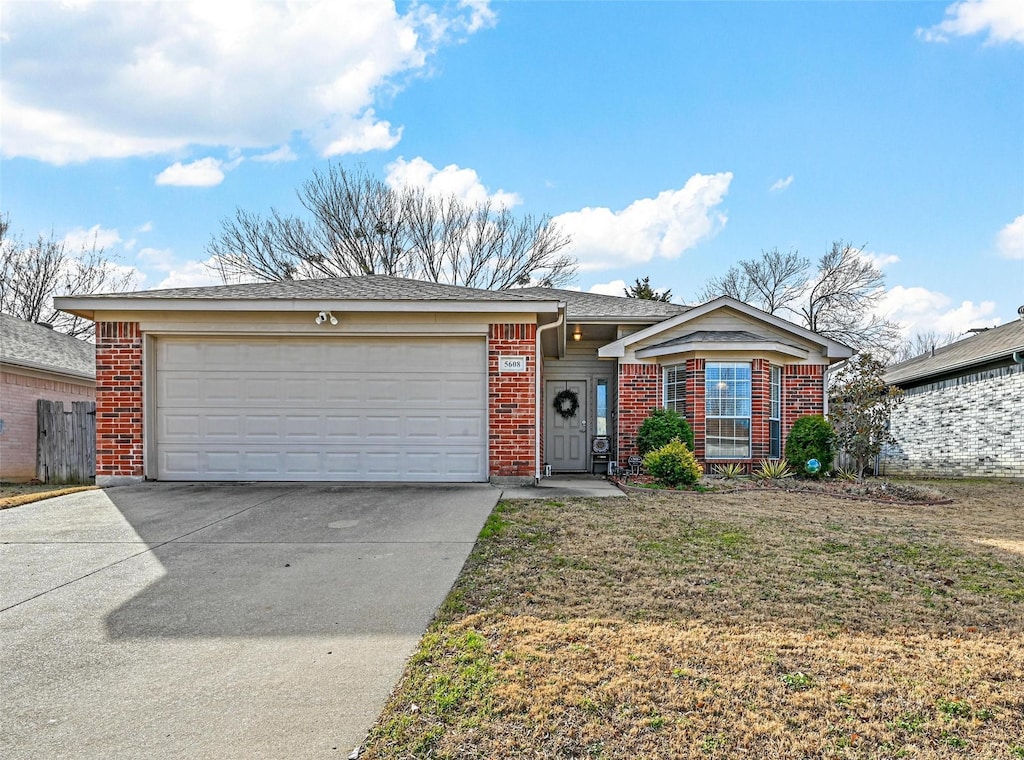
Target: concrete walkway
x,y
219,621
563,487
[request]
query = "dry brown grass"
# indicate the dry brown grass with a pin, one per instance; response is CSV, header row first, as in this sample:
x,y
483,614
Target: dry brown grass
x,y
757,624
16,494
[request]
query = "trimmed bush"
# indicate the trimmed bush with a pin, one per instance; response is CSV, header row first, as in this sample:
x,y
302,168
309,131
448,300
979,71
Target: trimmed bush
x,y
661,427
811,437
673,465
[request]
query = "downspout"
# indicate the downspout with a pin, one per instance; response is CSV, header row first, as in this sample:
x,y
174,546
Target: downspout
x,y
1018,356
538,360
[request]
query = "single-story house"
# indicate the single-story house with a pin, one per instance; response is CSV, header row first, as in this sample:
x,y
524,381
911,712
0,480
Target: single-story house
x,y
36,362
380,378
961,414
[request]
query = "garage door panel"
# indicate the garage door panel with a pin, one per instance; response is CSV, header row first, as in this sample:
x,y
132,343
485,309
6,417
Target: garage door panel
x,y
349,409
341,391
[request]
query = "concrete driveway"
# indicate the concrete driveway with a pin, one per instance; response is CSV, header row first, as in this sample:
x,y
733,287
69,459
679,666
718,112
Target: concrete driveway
x,y
219,621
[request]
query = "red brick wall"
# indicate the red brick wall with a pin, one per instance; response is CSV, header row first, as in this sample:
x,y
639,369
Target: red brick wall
x,y
18,396
760,408
512,402
639,393
118,400
803,393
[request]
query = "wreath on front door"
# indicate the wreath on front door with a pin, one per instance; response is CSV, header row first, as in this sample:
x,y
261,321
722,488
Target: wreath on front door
x,y
567,403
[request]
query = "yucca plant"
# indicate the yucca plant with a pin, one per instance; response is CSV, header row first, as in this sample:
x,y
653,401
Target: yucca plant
x,y
773,469
842,473
729,470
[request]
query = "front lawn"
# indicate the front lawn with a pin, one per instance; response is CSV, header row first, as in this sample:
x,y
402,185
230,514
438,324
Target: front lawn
x,y
16,494
751,624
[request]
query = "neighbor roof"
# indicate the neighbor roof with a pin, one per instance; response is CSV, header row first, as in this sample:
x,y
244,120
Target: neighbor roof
x,y
32,346
992,345
594,307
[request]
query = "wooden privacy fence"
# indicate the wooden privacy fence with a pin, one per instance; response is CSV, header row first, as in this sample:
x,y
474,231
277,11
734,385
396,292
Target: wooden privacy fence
x,y
66,448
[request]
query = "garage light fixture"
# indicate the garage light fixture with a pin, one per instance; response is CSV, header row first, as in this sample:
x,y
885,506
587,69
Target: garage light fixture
x,y
577,334
324,316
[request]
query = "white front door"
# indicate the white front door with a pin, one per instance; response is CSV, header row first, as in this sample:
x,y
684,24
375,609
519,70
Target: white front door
x,y
565,447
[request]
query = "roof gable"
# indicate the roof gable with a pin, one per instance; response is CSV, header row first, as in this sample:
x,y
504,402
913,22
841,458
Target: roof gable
x,y
775,330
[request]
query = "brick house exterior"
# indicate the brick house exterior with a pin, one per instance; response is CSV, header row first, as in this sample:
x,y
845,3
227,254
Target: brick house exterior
x,y
961,412
36,363
424,381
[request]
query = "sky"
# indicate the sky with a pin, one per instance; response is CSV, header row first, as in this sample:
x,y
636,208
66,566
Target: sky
x,y
670,140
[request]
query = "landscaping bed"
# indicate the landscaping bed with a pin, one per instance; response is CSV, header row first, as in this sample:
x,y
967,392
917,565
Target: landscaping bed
x,y
870,489
759,623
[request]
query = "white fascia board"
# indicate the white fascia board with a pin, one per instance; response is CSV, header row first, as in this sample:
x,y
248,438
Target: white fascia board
x,y
84,306
760,347
833,349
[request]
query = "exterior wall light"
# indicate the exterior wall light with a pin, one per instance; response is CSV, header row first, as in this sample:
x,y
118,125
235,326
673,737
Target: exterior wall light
x,y
577,334
325,316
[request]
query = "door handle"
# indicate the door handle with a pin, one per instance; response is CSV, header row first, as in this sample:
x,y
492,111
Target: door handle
x,y
583,424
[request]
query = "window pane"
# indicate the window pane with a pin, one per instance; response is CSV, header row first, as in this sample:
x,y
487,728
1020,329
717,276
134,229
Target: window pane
x,y
602,408
675,388
727,409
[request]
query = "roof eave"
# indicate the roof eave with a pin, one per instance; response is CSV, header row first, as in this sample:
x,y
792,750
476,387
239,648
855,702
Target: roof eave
x,y
751,346
85,306
948,368
35,367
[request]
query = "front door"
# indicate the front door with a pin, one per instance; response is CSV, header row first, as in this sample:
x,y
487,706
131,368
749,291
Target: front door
x,y
565,447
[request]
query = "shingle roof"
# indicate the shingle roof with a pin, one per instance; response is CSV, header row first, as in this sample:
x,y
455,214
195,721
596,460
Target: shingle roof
x,y
722,336
982,348
582,306
366,288
30,345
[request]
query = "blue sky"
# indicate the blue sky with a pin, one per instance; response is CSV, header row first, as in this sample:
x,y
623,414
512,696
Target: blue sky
x,y
670,140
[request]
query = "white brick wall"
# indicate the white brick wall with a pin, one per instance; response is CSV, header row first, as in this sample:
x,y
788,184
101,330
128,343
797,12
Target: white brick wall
x,y
974,429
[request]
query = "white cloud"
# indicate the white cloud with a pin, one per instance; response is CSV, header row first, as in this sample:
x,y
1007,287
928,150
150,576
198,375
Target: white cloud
x,y
613,288
205,172
919,310
880,260
163,76
145,227
190,274
284,153
781,184
1010,240
451,180
80,238
661,227
1002,20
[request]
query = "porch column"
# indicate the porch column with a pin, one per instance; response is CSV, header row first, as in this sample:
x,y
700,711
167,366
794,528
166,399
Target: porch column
x,y
511,404
118,403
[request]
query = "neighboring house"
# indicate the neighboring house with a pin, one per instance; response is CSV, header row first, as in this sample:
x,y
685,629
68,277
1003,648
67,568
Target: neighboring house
x,y
36,363
384,379
962,412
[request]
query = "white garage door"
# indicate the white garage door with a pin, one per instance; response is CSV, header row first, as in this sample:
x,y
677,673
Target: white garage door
x,y
312,409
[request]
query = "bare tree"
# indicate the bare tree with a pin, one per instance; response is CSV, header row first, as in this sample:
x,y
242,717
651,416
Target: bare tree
x,y
921,343
33,273
359,225
642,289
835,298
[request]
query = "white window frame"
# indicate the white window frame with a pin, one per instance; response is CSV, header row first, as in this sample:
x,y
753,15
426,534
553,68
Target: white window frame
x,y
775,411
679,402
709,399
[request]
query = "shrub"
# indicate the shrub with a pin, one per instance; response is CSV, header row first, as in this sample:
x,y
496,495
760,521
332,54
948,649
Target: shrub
x,y
673,465
811,437
729,470
661,427
773,469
